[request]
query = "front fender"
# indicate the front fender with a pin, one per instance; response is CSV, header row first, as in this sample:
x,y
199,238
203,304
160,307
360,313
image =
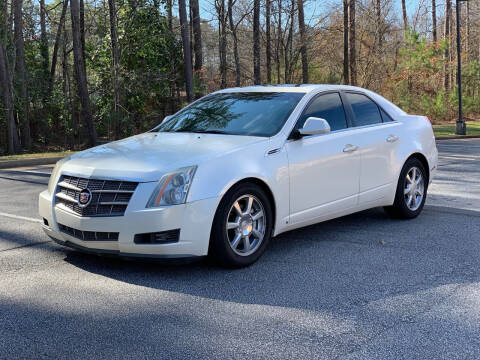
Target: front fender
x,y
214,179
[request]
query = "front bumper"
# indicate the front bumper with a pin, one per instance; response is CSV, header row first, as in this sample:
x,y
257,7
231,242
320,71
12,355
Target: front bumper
x,y
193,219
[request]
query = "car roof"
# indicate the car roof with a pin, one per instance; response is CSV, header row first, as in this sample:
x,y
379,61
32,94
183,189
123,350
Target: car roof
x,y
307,88
302,88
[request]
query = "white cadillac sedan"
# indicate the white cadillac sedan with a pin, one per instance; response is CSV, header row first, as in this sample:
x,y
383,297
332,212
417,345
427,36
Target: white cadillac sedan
x,y
237,167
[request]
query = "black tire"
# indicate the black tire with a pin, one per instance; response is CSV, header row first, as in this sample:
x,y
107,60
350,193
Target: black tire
x,y
220,249
400,209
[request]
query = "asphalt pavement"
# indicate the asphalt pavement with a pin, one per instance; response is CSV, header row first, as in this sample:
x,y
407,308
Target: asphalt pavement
x,y
359,287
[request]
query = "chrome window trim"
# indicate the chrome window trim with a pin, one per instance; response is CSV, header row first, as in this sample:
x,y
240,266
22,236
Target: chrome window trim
x,y
389,123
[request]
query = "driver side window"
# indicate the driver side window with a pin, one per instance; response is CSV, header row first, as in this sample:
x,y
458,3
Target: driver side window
x,y
327,106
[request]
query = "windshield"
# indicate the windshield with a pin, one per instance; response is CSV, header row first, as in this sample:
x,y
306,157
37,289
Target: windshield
x,y
253,114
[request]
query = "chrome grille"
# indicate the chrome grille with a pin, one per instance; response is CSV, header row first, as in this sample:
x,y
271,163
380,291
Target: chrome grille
x,y
109,197
89,235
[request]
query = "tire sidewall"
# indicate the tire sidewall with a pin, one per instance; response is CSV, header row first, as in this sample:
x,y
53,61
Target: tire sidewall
x,y
400,197
219,242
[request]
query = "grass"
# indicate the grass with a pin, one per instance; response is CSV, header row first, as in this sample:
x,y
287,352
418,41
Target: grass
x,y
473,128
35,155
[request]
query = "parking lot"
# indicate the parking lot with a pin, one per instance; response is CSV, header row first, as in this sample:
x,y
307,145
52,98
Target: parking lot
x,y
359,287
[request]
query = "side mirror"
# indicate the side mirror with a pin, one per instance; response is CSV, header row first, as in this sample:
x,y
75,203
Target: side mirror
x,y
314,126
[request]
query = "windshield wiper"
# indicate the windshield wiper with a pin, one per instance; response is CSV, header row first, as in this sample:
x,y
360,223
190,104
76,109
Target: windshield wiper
x,y
207,131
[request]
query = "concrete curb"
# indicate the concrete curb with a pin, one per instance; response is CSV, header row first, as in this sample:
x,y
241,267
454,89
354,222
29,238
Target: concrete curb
x,y
29,162
457,137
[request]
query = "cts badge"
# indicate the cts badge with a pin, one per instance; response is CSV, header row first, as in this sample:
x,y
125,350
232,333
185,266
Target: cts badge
x,y
84,198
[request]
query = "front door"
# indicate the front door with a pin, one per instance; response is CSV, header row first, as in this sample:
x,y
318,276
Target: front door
x,y
324,169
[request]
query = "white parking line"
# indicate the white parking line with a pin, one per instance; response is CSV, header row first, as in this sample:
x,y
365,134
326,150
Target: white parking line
x,y
18,217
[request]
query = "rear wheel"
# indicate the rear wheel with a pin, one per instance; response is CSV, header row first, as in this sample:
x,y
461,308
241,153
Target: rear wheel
x,y
411,191
242,226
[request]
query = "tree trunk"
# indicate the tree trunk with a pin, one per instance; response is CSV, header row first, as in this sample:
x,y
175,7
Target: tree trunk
x,y
12,136
303,41
353,67
448,19
11,60
173,69
256,43
279,35
187,56
56,46
268,50
21,77
288,46
434,21
115,58
80,73
197,35
4,23
44,50
222,42
233,29
379,24
346,78
82,26
405,19
67,98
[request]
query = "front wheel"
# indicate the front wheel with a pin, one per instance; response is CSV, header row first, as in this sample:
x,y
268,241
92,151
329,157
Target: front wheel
x,y
242,226
411,191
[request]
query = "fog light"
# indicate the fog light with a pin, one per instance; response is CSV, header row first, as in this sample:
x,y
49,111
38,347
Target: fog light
x,y
162,237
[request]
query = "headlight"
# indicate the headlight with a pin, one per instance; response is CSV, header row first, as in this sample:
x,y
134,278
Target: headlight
x,y
53,178
172,189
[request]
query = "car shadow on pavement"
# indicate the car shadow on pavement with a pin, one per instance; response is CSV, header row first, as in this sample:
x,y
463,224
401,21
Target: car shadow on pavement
x,y
348,261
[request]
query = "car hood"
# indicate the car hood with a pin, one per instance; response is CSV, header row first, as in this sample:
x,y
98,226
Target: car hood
x,y
146,157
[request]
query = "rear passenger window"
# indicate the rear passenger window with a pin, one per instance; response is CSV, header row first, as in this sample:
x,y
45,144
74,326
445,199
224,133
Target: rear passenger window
x,y
365,110
328,107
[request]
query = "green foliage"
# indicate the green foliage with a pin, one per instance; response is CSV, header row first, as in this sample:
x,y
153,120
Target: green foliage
x,y
149,51
417,83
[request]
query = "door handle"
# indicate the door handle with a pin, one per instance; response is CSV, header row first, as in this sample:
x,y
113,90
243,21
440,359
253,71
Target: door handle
x,y
350,148
392,138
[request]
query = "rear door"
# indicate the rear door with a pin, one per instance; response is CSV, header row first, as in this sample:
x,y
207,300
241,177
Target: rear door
x,y
377,137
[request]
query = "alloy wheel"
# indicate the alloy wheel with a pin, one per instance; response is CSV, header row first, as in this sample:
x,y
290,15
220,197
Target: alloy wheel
x,y
414,188
246,225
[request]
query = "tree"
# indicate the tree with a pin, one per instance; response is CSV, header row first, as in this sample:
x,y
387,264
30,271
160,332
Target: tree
x,y
222,40
197,34
303,41
187,55
288,46
378,8
268,47
256,43
56,46
173,67
44,49
353,65
434,21
279,37
447,33
81,76
233,29
115,66
21,76
405,18
346,78
12,137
